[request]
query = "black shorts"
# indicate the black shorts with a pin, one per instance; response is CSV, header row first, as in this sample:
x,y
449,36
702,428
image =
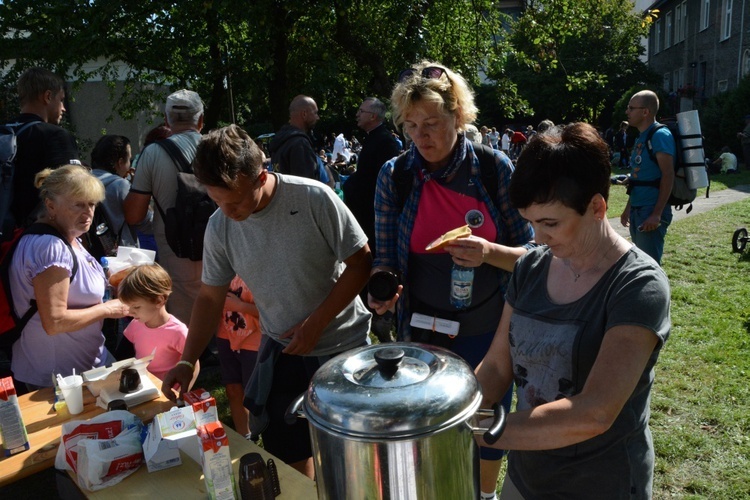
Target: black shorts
x,y
235,367
291,376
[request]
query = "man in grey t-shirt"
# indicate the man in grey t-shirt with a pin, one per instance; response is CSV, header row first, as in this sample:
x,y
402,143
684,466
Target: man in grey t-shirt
x,y
305,259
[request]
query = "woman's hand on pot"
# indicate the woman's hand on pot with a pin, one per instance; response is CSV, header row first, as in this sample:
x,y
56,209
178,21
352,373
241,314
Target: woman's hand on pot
x,y
115,309
381,307
471,251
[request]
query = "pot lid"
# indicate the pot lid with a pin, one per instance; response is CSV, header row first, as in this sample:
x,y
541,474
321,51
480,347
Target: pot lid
x,y
392,390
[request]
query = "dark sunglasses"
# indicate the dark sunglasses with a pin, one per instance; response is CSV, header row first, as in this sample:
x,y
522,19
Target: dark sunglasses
x,y
428,73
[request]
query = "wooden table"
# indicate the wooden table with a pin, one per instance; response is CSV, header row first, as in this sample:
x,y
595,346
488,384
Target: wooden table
x,y
43,426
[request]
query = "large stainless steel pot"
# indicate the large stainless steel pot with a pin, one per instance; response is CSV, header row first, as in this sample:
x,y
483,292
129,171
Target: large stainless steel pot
x,y
396,421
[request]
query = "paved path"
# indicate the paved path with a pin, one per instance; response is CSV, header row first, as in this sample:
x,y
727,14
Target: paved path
x,y
700,205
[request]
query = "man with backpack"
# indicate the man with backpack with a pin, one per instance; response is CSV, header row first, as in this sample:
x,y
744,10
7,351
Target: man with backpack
x,y
159,167
648,213
40,143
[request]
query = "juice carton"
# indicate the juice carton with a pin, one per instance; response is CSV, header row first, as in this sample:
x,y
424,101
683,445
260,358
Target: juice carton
x,y
12,428
166,433
204,406
217,462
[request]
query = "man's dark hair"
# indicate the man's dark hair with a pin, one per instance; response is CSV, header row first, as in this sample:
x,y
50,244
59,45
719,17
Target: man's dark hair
x,y
569,165
224,154
109,149
36,81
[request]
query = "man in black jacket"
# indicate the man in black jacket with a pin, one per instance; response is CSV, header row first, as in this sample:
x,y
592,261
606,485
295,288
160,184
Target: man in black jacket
x,y
377,148
291,148
42,145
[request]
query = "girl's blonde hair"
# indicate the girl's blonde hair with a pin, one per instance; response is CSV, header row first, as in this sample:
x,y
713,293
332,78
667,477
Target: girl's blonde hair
x,y
70,181
147,281
450,92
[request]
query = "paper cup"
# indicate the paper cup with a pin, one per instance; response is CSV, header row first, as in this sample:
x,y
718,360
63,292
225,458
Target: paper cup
x,y
72,390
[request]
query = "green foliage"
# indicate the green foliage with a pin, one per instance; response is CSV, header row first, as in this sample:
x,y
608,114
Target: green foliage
x,y
264,52
722,117
571,57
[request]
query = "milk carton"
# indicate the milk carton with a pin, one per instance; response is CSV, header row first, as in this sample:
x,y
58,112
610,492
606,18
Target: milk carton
x,y
167,432
217,463
204,406
12,429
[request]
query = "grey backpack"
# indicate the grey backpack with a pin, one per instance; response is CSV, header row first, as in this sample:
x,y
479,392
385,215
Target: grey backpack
x,y
8,150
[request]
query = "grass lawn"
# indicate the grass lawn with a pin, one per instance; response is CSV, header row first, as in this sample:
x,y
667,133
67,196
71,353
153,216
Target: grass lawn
x,y
701,399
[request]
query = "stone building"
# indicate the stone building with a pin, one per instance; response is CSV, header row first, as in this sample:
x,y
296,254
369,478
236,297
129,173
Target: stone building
x,y
700,47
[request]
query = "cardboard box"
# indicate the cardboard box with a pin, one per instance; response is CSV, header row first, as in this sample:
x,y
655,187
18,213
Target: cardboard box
x,y
204,406
167,434
12,429
217,462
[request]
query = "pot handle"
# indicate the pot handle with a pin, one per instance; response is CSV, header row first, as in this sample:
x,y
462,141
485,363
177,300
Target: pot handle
x,y
494,431
294,411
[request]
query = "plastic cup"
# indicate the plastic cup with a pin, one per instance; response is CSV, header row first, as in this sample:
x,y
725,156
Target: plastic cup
x,y
72,390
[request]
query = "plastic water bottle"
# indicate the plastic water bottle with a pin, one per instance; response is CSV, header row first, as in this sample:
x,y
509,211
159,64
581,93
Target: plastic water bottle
x,y
462,282
107,286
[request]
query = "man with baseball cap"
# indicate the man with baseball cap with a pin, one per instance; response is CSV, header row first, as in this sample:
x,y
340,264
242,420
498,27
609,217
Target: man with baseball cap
x,y
156,177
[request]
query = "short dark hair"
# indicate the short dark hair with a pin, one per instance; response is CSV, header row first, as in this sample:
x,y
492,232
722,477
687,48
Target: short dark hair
x,y
36,81
223,154
109,149
569,165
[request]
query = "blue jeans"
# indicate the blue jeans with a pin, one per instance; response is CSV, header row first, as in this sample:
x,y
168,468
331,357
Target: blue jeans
x,y
651,242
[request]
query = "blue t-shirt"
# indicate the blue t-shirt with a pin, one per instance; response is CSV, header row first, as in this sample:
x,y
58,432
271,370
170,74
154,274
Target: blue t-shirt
x,y
646,169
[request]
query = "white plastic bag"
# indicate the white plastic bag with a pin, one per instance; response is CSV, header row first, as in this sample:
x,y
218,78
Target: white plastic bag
x,y
105,431
104,462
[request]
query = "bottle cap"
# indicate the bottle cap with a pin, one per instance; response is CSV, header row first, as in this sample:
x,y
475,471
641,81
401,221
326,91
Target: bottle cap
x,y
105,262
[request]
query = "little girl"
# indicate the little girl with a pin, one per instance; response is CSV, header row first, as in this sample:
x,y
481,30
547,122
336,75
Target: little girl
x,y
238,340
145,291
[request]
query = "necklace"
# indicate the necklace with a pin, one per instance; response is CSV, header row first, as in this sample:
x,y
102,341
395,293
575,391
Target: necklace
x,y
595,268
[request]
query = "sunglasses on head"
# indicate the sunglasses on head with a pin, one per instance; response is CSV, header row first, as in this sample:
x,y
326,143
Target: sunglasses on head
x,y
428,73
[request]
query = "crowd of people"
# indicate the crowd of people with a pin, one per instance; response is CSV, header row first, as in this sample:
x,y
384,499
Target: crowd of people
x,y
561,309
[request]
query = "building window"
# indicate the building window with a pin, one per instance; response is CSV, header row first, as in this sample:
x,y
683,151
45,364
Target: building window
x,y
722,85
705,6
680,22
678,79
726,19
657,36
667,83
668,31
746,63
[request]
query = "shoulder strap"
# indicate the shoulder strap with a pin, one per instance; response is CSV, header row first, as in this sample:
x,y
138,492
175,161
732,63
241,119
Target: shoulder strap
x,y
175,153
21,126
650,135
40,228
36,228
487,169
402,179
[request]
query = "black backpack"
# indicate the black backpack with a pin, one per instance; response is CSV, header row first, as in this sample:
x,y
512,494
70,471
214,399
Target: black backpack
x,y
102,238
682,194
8,149
185,223
404,179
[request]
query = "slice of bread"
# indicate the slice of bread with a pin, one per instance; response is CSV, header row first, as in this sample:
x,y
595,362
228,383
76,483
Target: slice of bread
x,y
452,235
